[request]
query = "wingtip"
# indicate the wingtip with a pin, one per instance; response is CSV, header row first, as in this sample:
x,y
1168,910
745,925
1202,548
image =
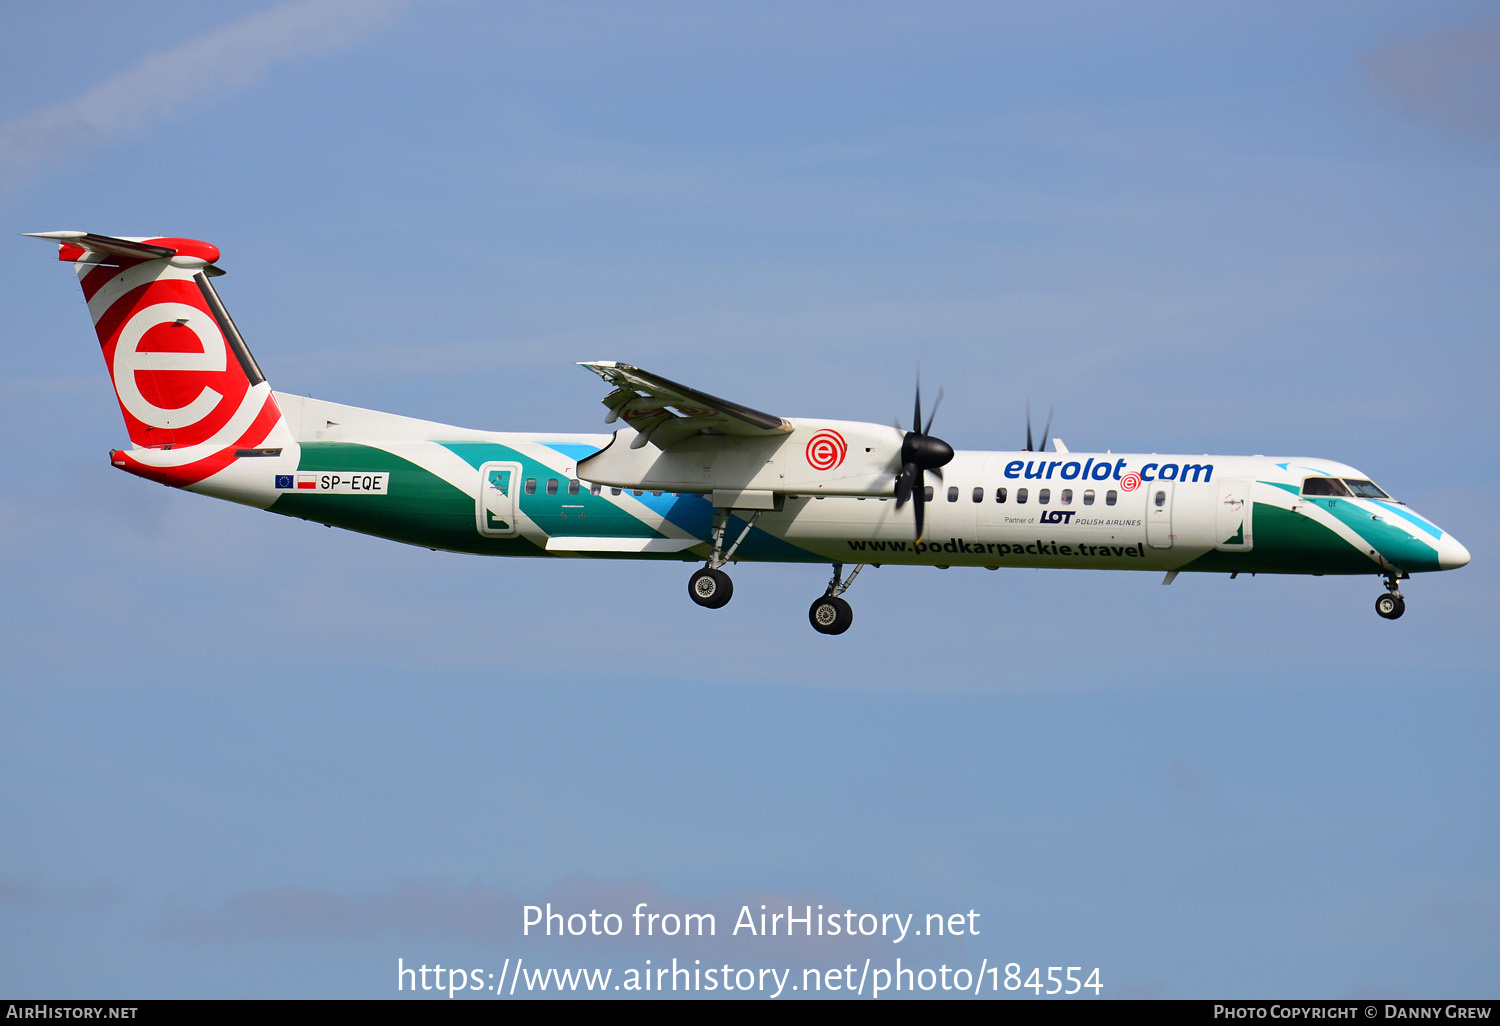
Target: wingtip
x,y
56,236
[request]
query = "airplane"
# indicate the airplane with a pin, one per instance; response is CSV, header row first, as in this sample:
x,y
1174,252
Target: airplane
x,y
688,476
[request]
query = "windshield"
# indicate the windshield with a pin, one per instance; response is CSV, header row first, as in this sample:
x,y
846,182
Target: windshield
x,y
1365,489
1324,486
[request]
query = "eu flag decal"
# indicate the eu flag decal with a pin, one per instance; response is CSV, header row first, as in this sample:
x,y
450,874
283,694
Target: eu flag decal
x,y
283,480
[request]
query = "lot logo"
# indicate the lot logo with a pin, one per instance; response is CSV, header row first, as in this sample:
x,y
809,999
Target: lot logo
x,y
826,450
1057,516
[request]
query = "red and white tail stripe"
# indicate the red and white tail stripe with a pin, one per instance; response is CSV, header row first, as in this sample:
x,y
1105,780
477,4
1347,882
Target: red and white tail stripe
x,y
189,390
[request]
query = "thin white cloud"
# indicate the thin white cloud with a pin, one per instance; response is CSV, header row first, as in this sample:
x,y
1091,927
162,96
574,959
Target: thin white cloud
x,y
169,82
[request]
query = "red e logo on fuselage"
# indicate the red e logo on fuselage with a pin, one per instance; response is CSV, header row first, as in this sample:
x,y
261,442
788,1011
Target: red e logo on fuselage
x,y
826,450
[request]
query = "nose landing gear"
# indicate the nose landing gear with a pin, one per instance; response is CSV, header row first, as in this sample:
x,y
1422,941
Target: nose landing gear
x,y
1391,605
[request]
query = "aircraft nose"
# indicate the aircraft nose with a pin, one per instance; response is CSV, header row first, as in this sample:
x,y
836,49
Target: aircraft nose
x,y
1451,554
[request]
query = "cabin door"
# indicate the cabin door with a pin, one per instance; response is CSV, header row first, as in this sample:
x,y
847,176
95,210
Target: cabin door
x,y
1232,519
496,509
1158,514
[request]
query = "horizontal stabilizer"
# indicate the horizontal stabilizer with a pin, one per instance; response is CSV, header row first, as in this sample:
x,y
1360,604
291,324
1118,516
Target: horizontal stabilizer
x,y
88,248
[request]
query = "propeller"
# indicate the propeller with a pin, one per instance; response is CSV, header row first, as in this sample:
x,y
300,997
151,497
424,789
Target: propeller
x,y
1045,430
921,453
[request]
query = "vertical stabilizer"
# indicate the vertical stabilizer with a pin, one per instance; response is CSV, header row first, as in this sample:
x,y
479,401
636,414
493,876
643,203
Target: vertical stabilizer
x,y
191,394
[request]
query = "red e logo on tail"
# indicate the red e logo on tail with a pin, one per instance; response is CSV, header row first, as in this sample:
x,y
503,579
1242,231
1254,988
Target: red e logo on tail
x,y
173,374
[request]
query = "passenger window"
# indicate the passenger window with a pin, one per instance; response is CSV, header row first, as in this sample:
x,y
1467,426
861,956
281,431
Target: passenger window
x,y
1088,496
978,494
927,493
1067,497
551,486
614,491
530,488
999,494
953,494
636,491
1161,499
1110,497
1044,496
573,486
658,493
595,489
1020,495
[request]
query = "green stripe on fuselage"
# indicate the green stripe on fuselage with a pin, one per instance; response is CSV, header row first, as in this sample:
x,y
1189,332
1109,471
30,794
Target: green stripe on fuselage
x,y
561,514
1396,544
1288,543
419,507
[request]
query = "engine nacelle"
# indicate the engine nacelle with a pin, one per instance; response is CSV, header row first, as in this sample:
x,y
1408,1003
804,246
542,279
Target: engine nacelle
x,y
818,457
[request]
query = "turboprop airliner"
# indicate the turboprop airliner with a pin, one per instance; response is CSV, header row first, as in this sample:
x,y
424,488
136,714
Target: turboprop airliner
x,y
687,476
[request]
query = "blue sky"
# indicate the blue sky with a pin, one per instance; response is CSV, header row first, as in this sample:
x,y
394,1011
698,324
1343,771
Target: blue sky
x,y
251,756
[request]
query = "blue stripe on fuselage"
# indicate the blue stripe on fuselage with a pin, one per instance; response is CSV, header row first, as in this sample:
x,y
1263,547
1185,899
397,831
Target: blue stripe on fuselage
x,y
575,451
1430,528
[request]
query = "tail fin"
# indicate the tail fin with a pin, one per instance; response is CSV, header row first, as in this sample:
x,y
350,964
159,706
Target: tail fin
x,y
189,390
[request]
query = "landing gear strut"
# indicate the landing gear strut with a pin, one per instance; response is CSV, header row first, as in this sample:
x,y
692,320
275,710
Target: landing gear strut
x,y
711,587
830,614
1391,605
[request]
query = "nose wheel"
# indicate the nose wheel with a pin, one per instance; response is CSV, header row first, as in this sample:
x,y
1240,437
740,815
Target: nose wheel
x,y
1391,605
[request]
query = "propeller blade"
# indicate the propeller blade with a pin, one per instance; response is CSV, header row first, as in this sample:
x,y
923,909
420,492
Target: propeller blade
x,y
921,454
1028,427
905,482
1046,429
916,417
936,403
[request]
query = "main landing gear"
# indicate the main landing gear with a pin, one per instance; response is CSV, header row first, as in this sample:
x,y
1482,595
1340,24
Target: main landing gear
x,y
830,614
1391,605
711,587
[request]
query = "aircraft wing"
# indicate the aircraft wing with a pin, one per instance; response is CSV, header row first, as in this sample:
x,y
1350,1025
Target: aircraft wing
x,y
664,412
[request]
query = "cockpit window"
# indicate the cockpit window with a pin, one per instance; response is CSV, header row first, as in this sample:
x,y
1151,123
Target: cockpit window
x,y
1365,489
1324,486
